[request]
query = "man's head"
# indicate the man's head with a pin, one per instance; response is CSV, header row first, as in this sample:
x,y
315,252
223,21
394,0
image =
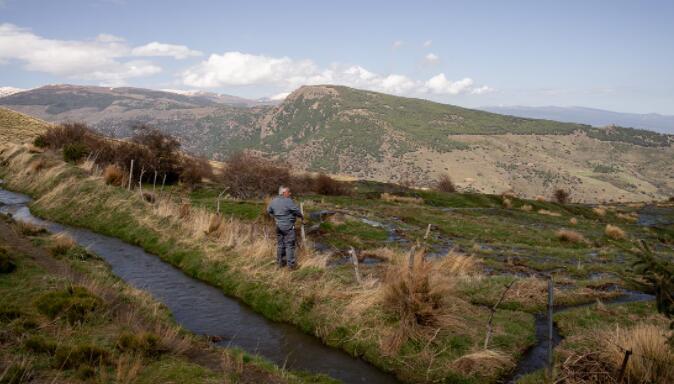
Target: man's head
x,y
284,191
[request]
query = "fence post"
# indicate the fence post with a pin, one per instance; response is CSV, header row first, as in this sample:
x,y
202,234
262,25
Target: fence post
x,y
410,258
550,325
154,183
428,232
161,191
623,367
354,260
130,175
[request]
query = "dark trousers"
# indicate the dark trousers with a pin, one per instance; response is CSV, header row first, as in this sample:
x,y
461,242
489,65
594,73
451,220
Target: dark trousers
x,y
285,247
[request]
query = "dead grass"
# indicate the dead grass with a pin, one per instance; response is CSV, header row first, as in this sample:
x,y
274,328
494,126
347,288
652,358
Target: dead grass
x,y
507,203
61,243
614,232
540,198
526,208
401,199
29,229
652,359
549,213
127,368
573,221
631,217
599,211
114,175
570,236
485,363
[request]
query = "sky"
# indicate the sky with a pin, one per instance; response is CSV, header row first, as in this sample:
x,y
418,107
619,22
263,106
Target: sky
x,y
616,55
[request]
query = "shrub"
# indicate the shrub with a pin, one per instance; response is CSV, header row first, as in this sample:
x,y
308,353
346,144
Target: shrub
x,y
561,196
61,244
570,236
113,174
599,211
69,357
75,303
445,184
40,142
326,185
248,176
194,170
67,133
74,152
614,232
7,265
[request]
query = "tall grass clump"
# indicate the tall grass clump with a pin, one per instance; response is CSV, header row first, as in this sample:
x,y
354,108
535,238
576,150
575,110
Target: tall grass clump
x,y
113,174
570,236
614,232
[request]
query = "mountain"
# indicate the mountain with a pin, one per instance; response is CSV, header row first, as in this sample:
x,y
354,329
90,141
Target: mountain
x,y
382,137
596,117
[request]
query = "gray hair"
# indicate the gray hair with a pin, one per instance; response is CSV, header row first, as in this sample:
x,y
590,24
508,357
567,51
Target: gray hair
x,y
282,189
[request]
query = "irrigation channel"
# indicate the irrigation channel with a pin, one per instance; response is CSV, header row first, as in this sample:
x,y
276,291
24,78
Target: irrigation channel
x,y
204,309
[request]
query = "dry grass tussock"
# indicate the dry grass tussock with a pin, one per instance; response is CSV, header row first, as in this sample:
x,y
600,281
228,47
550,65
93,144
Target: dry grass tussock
x,y
549,213
652,360
486,363
507,203
61,243
420,297
114,175
526,208
615,232
573,221
127,368
599,211
631,217
401,199
570,236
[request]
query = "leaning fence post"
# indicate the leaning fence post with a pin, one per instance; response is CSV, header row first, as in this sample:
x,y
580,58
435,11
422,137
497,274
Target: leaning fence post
x,y
130,175
354,260
623,367
428,232
410,259
550,328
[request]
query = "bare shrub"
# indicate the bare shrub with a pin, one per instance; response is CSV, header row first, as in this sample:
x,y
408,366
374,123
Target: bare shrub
x,y
194,170
614,232
561,196
114,175
326,185
249,176
570,236
58,136
445,184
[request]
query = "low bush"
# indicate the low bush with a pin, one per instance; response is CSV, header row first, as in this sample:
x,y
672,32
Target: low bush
x,y
74,152
445,184
561,196
74,303
248,176
570,236
61,135
326,185
113,174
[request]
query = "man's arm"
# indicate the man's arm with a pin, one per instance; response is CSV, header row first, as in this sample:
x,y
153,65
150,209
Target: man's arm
x,y
296,211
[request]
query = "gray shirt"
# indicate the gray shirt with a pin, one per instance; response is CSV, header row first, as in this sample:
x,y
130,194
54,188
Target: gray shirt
x,y
285,211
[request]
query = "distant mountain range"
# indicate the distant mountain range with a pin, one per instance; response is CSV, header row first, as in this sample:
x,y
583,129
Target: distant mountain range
x,y
596,117
382,137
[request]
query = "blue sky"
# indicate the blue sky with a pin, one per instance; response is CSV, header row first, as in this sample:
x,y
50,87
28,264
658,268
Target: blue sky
x,y
615,55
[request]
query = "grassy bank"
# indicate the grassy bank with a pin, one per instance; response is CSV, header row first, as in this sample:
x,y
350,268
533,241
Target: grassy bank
x,y
64,317
369,319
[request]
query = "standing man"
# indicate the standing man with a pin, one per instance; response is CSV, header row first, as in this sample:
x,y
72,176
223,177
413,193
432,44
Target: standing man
x,y
285,212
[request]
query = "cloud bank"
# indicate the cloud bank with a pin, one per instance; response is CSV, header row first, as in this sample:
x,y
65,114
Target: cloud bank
x,y
238,68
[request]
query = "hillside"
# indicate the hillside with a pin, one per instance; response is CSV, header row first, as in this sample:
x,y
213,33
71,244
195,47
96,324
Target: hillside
x,y
386,138
17,127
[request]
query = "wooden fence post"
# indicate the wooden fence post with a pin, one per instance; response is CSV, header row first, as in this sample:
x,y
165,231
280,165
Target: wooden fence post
x,y
162,185
354,260
623,367
154,183
550,325
130,175
428,232
140,182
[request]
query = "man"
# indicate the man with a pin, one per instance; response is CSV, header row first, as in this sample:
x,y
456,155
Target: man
x,y
285,212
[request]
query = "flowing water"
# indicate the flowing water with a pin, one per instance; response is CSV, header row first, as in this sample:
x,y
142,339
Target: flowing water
x,y
204,309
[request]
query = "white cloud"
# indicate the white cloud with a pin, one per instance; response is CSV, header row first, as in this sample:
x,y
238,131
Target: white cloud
x,y
427,43
482,90
240,69
439,84
398,44
155,48
431,58
107,58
